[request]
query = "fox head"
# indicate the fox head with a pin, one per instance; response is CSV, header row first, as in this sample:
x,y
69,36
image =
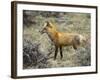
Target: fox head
x,y
48,26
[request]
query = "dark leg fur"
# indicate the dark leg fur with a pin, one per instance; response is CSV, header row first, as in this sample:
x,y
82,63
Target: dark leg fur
x,y
74,46
56,51
61,52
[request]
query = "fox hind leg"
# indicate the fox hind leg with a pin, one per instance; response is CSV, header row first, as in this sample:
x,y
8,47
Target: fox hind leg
x,y
75,46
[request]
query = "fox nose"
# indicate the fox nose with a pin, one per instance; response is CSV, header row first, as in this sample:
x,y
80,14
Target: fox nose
x,y
41,31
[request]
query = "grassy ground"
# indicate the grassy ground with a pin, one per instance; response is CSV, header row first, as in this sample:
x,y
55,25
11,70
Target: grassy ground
x,y
66,22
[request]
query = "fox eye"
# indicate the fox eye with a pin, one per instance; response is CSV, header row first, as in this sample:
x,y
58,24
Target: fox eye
x,y
45,28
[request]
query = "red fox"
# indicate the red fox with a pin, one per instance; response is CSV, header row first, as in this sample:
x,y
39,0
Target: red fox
x,y
61,39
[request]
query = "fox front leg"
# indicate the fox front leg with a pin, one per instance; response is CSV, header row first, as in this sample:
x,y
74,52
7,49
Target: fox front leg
x,y
56,51
61,52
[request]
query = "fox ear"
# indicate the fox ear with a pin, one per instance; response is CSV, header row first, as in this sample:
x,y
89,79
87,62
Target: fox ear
x,y
49,24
